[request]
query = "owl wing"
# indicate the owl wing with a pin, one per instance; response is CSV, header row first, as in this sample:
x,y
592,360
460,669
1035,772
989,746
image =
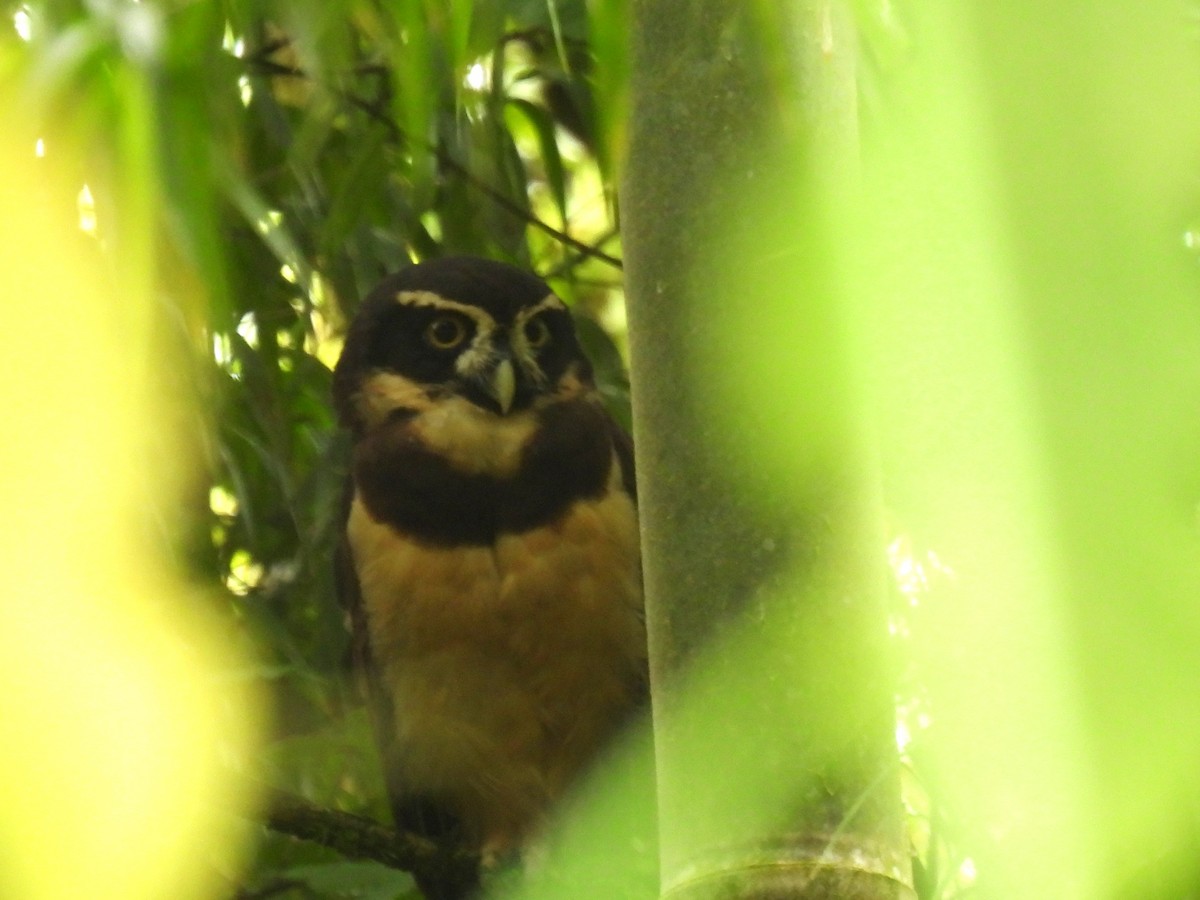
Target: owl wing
x,y
349,595
411,813
623,446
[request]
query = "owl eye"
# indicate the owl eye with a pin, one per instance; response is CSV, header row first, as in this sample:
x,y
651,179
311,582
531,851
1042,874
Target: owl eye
x,y
537,333
445,332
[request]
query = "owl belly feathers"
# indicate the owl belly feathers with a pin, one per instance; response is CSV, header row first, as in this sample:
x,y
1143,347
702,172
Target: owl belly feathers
x,y
490,562
508,662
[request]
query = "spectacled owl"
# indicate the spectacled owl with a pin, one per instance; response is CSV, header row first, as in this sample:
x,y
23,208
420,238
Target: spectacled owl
x,y
490,562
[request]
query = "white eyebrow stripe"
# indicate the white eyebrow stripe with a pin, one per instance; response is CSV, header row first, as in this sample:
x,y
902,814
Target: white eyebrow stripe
x,y
436,301
550,301
526,358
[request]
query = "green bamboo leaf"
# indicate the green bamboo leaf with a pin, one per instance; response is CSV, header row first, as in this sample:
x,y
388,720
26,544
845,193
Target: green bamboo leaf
x,y
354,193
186,131
487,28
360,880
193,35
609,79
276,235
461,13
411,56
557,29
552,162
247,510
608,367
60,63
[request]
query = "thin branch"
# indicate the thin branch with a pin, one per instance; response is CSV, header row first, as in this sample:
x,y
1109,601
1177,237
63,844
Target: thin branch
x,y
515,209
269,67
276,70
572,261
269,49
358,837
496,196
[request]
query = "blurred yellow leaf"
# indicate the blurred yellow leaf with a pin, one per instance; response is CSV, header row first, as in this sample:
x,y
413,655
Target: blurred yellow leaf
x,y
109,770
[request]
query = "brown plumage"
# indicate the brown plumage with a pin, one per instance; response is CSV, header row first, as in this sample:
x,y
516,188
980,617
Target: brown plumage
x,y
490,563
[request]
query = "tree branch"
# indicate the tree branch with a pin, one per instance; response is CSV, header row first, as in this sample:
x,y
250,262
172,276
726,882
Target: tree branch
x,y
515,209
261,60
358,837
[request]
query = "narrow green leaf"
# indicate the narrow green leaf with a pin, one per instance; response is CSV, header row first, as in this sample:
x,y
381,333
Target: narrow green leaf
x,y
411,55
609,79
60,63
186,132
353,192
556,28
257,213
361,880
461,12
552,162
608,367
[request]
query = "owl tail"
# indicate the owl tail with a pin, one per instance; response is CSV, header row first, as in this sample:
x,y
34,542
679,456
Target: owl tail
x,y
445,880
457,884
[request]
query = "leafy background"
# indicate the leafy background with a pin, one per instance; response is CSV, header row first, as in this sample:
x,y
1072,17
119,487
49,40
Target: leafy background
x,y
263,164
284,157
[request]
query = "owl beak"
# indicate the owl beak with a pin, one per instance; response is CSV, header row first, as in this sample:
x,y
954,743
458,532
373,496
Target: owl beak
x,y
503,385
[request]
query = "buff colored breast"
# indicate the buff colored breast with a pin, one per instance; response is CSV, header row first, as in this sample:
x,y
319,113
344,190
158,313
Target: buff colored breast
x,y
509,664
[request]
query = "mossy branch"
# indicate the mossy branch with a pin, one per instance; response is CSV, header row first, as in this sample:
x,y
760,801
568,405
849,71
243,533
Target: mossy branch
x,y
358,837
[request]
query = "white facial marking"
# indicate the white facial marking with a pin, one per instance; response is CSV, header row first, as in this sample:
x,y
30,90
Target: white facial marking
x,y
477,357
480,356
479,353
474,440
436,301
383,392
521,350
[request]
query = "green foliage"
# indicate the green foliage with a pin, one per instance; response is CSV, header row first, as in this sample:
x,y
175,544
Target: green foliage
x,y
263,163
269,163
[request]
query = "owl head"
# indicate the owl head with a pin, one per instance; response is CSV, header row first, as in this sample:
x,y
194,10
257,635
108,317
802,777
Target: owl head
x,y
458,327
